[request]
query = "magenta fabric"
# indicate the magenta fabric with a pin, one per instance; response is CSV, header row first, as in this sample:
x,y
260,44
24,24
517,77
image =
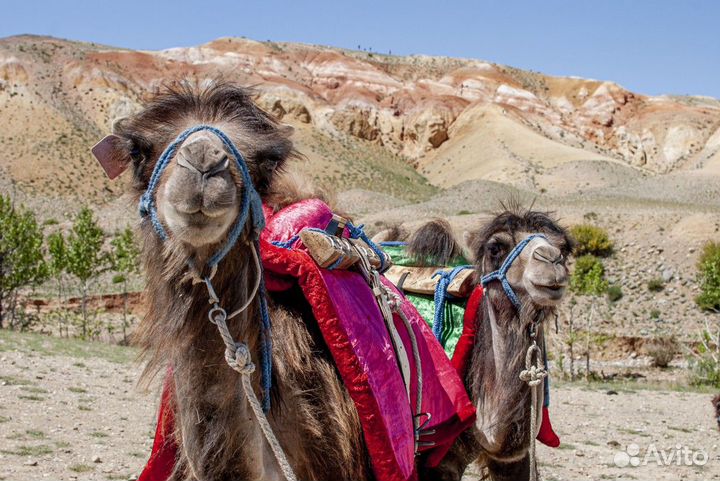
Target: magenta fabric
x,y
289,221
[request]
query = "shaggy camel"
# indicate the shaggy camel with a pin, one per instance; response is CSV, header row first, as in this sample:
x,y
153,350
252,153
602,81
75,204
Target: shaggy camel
x,y
500,439
198,199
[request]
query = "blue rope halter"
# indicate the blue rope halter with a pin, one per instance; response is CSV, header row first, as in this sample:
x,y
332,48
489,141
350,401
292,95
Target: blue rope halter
x,y
501,273
250,202
250,209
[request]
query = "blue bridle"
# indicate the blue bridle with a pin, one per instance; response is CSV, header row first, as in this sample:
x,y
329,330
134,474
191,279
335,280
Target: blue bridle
x,y
250,202
501,273
250,209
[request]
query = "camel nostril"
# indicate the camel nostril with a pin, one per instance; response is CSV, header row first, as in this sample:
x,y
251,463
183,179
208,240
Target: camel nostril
x,y
202,167
549,254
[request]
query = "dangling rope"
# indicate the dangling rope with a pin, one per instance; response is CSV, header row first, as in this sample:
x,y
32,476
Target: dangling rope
x,y
390,303
238,358
533,375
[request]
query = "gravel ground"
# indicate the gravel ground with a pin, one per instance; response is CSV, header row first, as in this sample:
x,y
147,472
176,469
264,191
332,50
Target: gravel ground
x,y
70,410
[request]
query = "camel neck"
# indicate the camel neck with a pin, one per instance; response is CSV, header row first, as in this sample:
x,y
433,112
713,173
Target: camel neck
x,y
500,396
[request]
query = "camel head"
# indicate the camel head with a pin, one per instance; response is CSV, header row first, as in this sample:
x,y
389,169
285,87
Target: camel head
x,y
539,273
199,192
538,277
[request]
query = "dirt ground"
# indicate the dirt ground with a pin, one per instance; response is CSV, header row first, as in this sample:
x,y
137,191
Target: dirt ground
x,y
71,410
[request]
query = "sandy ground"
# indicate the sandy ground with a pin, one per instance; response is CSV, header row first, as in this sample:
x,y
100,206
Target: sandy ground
x,y
70,410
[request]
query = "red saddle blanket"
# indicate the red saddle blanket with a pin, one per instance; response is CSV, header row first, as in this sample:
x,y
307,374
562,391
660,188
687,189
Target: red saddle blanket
x,y
354,330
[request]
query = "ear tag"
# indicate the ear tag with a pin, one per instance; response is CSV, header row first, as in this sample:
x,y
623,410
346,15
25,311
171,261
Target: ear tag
x,y
112,164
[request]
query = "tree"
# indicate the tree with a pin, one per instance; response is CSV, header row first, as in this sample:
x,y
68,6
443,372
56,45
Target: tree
x,y
588,279
57,266
125,263
85,257
22,262
709,277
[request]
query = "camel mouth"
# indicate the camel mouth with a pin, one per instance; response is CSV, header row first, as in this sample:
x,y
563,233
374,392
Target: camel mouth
x,y
550,292
202,215
200,226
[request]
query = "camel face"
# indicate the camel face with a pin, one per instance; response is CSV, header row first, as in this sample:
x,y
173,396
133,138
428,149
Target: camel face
x,y
539,275
540,272
198,198
199,191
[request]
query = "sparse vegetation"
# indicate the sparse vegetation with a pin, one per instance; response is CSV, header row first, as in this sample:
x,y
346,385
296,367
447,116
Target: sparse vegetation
x,y
592,240
588,277
22,261
709,277
85,259
655,284
614,292
81,468
662,350
705,359
125,258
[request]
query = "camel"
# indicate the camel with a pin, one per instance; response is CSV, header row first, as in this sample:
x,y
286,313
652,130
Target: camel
x,y
500,439
198,199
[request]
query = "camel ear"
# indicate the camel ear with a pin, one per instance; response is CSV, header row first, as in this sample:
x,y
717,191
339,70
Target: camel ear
x,y
110,152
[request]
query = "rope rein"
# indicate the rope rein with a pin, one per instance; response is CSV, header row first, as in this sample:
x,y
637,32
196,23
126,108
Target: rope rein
x,y
238,357
533,374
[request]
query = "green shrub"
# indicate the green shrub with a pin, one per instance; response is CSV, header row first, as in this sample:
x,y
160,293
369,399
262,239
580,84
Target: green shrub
x,y
588,277
591,239
614,293
705,361
656,285
709,277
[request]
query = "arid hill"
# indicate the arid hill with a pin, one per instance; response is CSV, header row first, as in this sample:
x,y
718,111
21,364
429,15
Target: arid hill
x,y
364,120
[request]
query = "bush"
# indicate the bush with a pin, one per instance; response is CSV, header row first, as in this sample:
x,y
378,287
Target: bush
x,y
591,239
588,277
705,363
614,293
709,277
656,285
662,350
22,262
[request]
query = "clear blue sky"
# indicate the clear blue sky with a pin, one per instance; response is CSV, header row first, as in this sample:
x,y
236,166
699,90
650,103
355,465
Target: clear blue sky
x,y
653,47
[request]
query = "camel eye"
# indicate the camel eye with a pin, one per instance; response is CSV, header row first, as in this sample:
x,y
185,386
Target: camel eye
x,y
494,249
136,155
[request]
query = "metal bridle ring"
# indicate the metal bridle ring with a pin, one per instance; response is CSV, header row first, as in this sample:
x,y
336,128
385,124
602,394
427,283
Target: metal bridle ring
x,y
217,314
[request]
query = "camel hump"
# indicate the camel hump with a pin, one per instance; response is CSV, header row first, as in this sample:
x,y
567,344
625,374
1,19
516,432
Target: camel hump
x,y
434,244
291,186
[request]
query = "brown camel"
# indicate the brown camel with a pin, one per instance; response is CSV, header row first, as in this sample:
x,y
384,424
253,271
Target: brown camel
x,y
500,439
197,200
